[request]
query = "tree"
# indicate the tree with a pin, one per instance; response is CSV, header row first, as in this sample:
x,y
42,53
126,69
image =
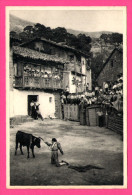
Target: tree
x,y
84,43
28,29
13,34
48,34
104,37
39,30
116,38
59,34
24,37
112,38
72,40
96,65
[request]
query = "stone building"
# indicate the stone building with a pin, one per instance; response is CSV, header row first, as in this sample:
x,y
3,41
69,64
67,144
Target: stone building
x,y
111,68
41,70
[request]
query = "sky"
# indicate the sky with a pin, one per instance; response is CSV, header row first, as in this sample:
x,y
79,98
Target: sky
x,y
82,20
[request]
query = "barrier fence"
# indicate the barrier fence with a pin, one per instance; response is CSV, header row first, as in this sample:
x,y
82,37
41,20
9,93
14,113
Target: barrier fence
x,y
91,116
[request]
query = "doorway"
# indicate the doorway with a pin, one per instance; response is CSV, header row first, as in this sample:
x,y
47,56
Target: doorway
x,y
31,98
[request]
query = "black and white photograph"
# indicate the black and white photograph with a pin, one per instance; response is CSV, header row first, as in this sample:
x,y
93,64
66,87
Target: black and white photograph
x,y
66,72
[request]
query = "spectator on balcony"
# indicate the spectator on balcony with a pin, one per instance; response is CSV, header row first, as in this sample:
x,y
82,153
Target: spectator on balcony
x,y
32,72
45,75
42,73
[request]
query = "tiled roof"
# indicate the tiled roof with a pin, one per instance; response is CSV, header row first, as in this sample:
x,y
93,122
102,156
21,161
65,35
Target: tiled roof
x,y
32,54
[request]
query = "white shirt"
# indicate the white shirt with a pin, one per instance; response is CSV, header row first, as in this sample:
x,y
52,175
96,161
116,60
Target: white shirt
x,y
31,104
106,85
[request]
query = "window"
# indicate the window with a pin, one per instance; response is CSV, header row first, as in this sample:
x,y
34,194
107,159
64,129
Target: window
x,y
50,99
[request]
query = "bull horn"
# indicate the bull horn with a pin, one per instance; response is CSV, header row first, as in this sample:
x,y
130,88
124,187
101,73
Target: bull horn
x,y
41,138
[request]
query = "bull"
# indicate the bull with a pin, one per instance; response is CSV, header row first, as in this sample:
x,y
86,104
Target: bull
x,y
27,140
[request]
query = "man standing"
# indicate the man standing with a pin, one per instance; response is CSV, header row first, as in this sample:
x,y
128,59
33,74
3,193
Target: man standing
x,y
38,113
31,109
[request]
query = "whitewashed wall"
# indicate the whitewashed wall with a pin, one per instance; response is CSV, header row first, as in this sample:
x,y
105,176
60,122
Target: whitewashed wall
x,y
18,102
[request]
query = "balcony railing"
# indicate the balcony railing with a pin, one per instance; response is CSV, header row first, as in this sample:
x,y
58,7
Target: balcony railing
x,y
37,82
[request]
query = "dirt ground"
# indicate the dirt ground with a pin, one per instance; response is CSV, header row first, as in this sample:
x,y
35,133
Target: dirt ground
x,y
82,145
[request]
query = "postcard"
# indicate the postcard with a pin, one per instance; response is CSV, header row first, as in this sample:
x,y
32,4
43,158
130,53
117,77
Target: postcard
x,y
66,94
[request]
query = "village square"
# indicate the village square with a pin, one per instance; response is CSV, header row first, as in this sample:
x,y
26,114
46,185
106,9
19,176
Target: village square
x,y
82,146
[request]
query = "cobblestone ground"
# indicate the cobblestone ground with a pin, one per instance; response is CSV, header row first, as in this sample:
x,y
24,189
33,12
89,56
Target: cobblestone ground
x,y
82,145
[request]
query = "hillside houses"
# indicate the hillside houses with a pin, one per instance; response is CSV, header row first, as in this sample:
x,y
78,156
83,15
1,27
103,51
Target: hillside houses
x,y
41,70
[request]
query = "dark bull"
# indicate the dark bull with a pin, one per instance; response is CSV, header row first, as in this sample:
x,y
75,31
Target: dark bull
x,y
27,140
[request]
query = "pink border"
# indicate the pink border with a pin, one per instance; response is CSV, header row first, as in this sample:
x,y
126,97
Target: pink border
x,y
3,4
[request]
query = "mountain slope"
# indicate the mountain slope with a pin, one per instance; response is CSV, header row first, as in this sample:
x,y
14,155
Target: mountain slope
x,y
17,24
91,34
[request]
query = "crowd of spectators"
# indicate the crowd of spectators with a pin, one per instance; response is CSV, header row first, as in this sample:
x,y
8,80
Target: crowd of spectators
x,y
110,94
33,72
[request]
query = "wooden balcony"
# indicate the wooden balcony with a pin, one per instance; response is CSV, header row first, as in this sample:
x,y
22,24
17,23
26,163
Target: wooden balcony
x,y
37,83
